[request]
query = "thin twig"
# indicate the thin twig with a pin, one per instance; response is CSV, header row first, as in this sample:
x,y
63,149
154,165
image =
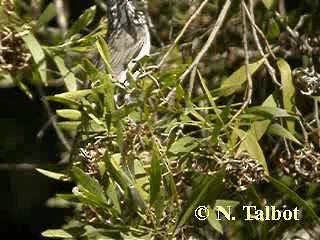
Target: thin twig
x,y
258,30
249,79
210,40
316,115
53,120
258,44
185,27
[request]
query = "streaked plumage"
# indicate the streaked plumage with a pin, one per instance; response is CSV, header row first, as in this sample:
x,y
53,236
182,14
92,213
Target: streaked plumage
x,y
128,36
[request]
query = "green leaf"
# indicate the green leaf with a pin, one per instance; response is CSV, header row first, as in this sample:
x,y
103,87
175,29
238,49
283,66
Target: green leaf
x,y
88,183
56,233
212,219
69,126
68,76
235,81
288,91
20,85
49,13
273,30
274,112
104,52
258,128
155,174
53,175
294,197
70,114
112,194
72,98
268,3
199,195
83,21
184,145
37,55
277,129
250,144
210,97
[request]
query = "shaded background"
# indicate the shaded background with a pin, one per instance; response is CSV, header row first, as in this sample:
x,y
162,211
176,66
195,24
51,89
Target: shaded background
x,y
23,193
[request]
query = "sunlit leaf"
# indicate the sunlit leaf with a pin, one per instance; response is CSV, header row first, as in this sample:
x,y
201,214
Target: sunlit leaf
x,y
235,81
288,90
155,174
53,175
37,55
251,145
68,76
56,233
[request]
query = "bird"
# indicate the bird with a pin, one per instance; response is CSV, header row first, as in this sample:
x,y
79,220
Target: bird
x,y
128,37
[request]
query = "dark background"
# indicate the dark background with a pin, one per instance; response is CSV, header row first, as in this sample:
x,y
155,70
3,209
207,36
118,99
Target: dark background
x,y
23,193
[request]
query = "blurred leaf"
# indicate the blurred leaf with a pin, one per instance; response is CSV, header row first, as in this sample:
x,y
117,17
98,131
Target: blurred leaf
x,y
200,194
210,97
56,233
89,183
294,197
37,55
69,126
83,21
104,53
112,194
184,145
53,175
268,3
274,30
235,81
250,144
277,129
212,219
70,114
68,76
288,90
155,174
272,111
49,13
6,81
70,98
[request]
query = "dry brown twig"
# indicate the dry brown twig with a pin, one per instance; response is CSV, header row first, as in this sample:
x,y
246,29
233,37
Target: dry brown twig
x,y
210,40
258,45
249,79
185,27
259,31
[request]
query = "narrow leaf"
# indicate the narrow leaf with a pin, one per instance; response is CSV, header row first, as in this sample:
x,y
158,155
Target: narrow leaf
x,y
56,233
277,129
155,175
288,90
294,197
83,21
68,76
37,55
49,13
53,175
235,81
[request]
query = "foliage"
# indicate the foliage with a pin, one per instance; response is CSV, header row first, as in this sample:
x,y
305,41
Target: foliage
x,y
141,169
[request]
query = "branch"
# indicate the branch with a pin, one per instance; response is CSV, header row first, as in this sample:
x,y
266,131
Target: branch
x,y
185,27
211,38
245,46
258,44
